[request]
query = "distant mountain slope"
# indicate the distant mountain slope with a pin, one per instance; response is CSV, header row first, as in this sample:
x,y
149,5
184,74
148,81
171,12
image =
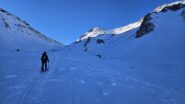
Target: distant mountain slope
x,y
16,34
99,31
152,53
164,19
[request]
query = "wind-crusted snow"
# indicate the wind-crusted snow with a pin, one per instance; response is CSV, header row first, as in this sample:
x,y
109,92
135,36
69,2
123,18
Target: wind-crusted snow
x,y
105,69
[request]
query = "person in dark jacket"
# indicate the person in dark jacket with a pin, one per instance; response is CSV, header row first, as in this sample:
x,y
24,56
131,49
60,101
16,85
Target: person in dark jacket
x,y
44,60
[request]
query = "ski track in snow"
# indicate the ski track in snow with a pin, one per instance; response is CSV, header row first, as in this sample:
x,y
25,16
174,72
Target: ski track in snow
x,y
72,81
33,84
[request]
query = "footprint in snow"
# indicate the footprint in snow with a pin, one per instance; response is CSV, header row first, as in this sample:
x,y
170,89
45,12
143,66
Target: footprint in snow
x,y
82,81
60,69
114,84
17,87
9,76
54,80
72,68
105,93
99,83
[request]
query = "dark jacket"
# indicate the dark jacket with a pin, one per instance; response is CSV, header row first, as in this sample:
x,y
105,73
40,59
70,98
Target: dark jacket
x,y
44,58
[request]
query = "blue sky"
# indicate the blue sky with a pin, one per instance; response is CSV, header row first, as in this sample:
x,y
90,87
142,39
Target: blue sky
x,y
67,20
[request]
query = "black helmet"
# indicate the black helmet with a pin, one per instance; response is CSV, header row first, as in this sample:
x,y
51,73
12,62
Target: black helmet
x,y
44,52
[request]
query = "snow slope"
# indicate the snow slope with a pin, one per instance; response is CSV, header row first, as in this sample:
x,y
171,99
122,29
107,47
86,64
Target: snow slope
x,y
94,32
16,34
105,69
99,31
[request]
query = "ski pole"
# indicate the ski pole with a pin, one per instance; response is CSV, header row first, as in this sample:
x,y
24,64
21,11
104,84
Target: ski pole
x,y
48,65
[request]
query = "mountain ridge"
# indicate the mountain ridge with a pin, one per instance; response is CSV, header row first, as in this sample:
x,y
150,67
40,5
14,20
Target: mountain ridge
x,y
120,30
18,32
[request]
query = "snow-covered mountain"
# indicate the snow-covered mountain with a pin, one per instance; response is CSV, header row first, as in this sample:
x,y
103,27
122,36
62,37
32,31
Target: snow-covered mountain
x,y
16,34
99,31
92,33
142,63
162,15
163,8
146,65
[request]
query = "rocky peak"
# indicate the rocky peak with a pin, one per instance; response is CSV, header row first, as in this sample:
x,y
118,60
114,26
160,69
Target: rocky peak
x,y
92,33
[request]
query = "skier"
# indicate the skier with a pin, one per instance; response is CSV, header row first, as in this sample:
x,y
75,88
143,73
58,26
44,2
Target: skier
x,y
44,59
